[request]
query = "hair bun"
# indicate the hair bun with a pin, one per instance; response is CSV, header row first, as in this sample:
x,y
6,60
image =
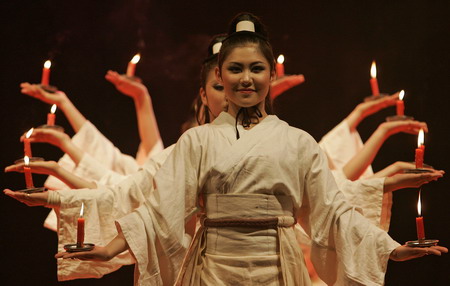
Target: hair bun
x,y
216,44
247,23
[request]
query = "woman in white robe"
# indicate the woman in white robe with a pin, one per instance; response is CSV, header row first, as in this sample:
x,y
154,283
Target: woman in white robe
x,y
254,187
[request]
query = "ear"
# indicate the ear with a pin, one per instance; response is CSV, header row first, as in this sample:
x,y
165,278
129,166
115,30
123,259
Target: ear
x,y
218,75
273,76
203,97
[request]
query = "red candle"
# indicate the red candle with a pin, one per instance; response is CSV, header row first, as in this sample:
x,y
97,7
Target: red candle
x,y
51,116
420,150
419,222
27,172
80,228
26,143
373,80
280,66
401,104
132,65
46,73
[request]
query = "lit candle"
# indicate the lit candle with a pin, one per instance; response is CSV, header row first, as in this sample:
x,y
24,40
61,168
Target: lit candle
x,y
420,150
46,73
26,143
132,65
51,116
27,172
80,228
419,222
280,66
401,104
373,80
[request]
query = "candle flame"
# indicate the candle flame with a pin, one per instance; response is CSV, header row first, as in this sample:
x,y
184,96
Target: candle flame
x,y
401,95
420,138
26,160
373,70
136,59
47,64
419,206
280,59
82,210
53,109
29,133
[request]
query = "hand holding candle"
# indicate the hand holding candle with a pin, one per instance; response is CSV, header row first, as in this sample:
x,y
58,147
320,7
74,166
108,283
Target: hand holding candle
x,y
80,228
51,116
373,80
419,221
132,65
46,73
26,143
420,150
27,172
401,104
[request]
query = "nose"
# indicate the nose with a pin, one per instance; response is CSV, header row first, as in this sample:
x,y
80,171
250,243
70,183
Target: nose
x,y
246,79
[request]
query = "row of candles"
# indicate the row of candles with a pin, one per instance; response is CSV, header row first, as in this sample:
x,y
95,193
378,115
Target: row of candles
x,y
131,68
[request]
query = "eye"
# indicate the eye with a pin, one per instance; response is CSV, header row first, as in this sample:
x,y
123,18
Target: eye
x,y
234,69
218,87
258,69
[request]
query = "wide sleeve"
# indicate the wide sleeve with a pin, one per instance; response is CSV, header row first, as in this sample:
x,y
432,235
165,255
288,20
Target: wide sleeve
x,y
346,249
169,206
341,145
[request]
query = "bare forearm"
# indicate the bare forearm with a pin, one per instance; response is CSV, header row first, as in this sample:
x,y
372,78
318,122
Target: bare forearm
x,y
359,163
73,115
73,181
117,245
73,151
147,125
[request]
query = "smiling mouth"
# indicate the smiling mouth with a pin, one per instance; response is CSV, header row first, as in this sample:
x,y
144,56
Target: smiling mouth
x,y
246,90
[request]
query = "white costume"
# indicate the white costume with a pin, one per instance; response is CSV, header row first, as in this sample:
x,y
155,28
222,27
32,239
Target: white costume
x,y
273,171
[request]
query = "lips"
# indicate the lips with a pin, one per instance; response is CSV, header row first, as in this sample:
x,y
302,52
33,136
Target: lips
x,y
246,90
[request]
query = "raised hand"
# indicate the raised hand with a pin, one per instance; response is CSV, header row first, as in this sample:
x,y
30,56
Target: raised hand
x,y
404,252
35,90
31,200
37,167
126,85
48,135
282,84
402,181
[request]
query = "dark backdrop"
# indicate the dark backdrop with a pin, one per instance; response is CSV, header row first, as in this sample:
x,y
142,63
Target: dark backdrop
x,y
332,44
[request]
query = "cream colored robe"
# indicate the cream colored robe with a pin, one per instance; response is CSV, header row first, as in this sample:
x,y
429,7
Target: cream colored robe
x,y
271,160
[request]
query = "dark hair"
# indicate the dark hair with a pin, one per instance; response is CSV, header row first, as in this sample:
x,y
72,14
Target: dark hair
x,y
242,38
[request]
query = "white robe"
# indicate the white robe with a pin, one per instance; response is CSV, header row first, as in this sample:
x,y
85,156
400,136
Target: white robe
x,y
101,208
102,162
274,160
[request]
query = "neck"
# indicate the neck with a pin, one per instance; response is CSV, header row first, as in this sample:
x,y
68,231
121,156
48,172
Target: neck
x,y
233,109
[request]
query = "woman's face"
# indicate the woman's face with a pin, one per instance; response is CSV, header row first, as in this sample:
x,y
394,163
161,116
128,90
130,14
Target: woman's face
x,y
246,76
213,95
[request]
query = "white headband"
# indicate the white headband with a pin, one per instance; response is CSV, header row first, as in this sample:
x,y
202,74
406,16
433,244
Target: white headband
x,y
216,48
245,26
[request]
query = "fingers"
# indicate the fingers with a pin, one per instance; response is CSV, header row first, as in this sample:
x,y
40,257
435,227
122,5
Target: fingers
x,y
14,168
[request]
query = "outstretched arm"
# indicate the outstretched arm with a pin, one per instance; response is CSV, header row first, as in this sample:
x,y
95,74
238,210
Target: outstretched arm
x,y
148,127
76,119
280,85
356,166
365,109
403,252
52,168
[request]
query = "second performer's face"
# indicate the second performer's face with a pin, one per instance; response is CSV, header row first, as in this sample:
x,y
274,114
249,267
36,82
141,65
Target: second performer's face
x,y
213,96
246,76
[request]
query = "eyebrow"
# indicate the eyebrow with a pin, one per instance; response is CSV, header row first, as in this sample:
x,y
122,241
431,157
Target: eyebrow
x,y
252,64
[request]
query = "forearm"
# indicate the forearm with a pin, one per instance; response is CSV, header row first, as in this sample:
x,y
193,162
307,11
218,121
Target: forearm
x,y
73,115
356,166
73,151
354,118
73,181
147,125
117,245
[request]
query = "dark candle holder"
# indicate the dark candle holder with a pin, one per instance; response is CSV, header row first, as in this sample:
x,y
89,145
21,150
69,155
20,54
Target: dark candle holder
x,y
32,159
75,247
419,170
49,88
134,78
399,118
375,97
422,243
32,190
55,127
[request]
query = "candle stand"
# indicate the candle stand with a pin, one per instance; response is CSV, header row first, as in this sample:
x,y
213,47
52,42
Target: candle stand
x,y
74,247
32,190
49,88
399,118
375,97
134,78
422,243
55,127
419,170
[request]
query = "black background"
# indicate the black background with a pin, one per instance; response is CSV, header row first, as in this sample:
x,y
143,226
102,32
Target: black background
x,y
332,44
